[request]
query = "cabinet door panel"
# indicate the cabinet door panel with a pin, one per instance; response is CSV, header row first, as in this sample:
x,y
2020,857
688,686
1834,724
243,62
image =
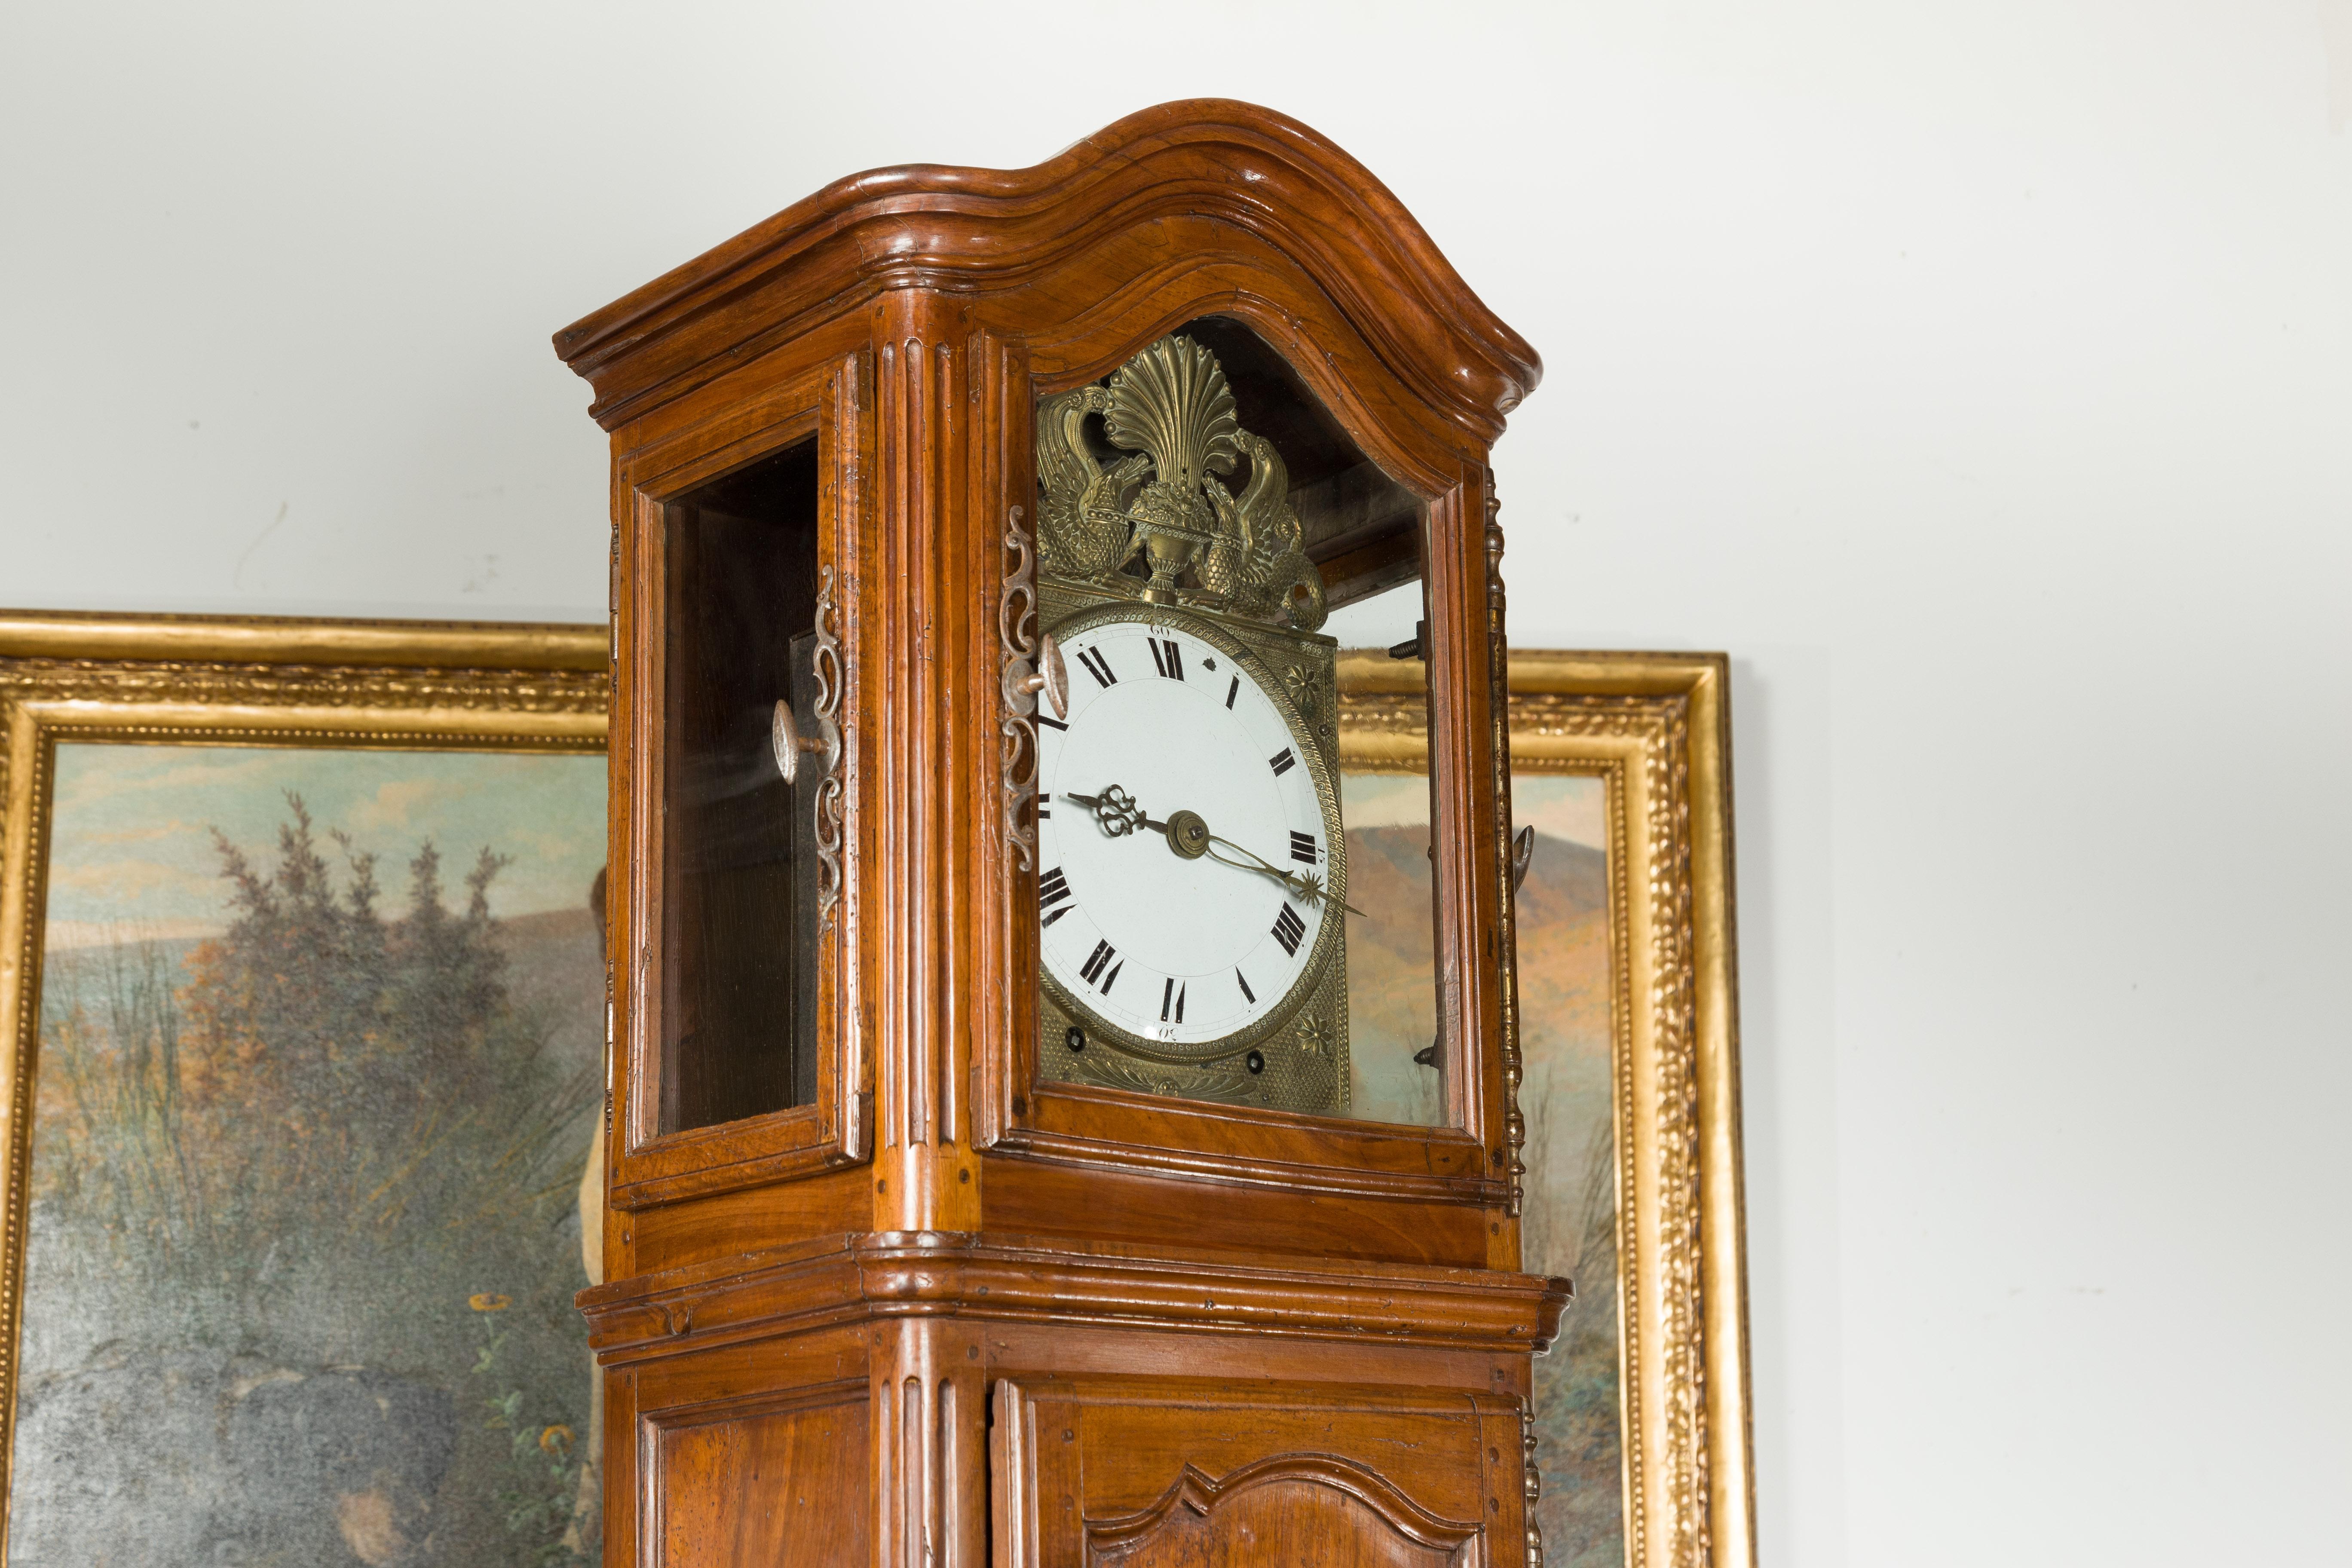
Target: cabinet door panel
x,y
752,1487
1175,1473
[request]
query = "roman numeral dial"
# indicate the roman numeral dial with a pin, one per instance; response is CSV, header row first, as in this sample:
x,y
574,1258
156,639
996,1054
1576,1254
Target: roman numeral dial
x,y
1190,875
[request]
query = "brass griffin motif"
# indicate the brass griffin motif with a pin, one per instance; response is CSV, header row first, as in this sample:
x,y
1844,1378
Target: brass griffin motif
x,y
1157,524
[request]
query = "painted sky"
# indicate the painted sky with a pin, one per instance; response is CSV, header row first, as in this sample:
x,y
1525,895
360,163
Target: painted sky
x,y
131,845
1561,806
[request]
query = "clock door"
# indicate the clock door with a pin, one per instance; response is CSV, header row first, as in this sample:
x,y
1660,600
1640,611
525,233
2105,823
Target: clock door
x,y
1229,910
735,756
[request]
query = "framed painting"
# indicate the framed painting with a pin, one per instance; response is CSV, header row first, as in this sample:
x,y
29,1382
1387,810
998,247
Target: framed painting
x,y
1627,1062
303,988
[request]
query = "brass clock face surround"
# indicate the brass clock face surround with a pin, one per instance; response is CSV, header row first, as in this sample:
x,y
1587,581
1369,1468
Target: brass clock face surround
x,y
1311,986
1157,505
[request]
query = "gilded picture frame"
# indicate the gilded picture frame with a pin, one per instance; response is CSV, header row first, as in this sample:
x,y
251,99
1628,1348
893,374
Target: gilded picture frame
x,y
1645,740
109,683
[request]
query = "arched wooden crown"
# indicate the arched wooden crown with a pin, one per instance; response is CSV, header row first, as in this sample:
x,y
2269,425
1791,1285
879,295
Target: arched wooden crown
x,y
980,230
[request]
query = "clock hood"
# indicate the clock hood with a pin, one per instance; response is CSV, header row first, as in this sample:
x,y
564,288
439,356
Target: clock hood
x,y
976,231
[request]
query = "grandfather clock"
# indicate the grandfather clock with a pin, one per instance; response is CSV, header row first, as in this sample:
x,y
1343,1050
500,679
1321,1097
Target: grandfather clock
x,y
1062,1106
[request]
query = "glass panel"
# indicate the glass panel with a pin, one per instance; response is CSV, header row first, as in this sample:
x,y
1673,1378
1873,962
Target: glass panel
x,y
1205,902
1384,799
738,920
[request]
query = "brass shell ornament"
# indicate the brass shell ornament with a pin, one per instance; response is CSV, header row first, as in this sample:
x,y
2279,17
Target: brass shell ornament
x,y
1166,503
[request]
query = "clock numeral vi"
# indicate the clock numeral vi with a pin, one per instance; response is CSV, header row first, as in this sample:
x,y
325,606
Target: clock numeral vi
x,y
1173,994
1287,928
1098,665
1169,658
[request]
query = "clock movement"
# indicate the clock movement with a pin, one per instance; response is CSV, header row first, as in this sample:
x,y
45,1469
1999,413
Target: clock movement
x,y
1061,1111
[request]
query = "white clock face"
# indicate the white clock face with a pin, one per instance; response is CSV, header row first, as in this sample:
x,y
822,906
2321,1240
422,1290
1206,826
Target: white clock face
x,y
1202,917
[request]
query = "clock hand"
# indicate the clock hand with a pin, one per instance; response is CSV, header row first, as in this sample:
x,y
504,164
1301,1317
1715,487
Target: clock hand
x,y
1116,810
1304,885
1190,836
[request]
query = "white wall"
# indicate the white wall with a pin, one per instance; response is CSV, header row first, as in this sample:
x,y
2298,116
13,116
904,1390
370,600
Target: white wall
x,y
1980,374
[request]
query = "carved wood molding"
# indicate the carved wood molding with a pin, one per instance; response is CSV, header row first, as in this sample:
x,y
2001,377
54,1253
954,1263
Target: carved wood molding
x,y
798,1289
1361,1158
1197,1493
959,229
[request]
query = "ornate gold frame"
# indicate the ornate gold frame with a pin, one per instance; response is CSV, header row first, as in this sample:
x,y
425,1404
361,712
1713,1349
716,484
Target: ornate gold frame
x,y
1656,728
248,682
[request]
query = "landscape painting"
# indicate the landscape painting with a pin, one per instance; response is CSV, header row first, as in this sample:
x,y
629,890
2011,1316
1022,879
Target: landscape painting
x,y
319,1065
1569,1223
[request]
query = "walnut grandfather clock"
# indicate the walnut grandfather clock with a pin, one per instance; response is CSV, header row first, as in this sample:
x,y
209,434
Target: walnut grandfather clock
x,y
1059,1113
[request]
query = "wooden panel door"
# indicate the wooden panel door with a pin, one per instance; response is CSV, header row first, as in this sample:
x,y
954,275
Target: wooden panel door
x,y
1116,1472
768,1480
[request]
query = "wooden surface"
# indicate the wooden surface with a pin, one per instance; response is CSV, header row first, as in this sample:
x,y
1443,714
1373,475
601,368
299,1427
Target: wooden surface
x,y
937,1227
1184,1473
753,1484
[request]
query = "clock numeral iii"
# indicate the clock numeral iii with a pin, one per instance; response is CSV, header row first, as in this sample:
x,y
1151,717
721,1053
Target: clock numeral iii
x,y
1169,658
1302,846
1052,888
1287,928
1098,665
1096,962
1282,762
1171,994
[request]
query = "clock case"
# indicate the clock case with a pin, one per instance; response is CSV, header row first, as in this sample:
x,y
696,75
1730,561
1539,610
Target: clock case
x,y
873,1288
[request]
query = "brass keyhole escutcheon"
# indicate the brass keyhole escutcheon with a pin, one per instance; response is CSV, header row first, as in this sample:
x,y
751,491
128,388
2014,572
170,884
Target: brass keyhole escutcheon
x,y
1188,835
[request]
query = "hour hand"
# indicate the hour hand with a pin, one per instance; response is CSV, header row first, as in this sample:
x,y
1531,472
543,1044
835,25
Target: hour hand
x,y
1115,809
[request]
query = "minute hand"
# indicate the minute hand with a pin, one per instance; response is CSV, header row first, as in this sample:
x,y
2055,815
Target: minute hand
x,y
1296,883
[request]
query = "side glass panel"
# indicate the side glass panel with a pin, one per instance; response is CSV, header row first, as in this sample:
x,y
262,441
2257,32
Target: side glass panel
x,y
1384,798
1216,920
738,917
